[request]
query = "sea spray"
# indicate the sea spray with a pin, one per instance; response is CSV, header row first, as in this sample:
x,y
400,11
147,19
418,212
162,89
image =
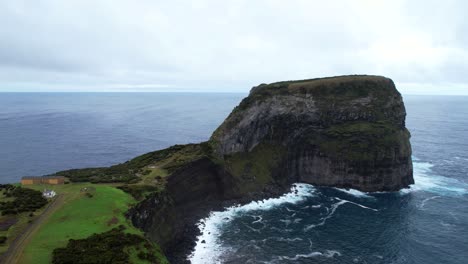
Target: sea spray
x,y
426,180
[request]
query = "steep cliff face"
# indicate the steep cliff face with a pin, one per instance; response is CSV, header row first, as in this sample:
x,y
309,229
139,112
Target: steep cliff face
x,y
346,131
192,191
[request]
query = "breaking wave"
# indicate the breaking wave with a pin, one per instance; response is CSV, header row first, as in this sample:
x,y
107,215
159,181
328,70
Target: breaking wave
x,y
426,180
295,215
208,250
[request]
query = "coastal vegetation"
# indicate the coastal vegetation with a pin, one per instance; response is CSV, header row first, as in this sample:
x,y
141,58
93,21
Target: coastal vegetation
x,y
112,247
255,168
131,171
17,200
361,141
145,174
331,89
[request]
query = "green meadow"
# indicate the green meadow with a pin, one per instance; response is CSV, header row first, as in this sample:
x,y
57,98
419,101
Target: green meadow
x,y
96,209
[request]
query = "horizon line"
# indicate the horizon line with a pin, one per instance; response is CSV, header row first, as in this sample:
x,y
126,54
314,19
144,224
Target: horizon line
x,y
192,91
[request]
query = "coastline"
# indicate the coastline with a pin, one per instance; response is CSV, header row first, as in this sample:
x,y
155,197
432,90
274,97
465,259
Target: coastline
x,y
207,249
180,250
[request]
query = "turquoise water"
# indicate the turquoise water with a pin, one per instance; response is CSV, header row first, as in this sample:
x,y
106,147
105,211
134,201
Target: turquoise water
x,y
43,133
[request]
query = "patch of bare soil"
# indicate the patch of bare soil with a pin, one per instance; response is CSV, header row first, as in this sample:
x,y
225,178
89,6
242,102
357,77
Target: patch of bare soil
x,y
113,221
7,222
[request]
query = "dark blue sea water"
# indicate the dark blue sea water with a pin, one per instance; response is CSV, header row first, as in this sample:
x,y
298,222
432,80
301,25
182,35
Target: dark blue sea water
x,y
43,133
425,224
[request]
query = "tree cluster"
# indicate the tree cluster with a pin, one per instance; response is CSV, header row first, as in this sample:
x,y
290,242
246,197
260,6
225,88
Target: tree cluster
x,y
108,247
24,200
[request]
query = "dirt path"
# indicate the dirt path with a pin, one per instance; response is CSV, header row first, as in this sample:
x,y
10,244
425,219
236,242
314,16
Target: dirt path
x,y
14,252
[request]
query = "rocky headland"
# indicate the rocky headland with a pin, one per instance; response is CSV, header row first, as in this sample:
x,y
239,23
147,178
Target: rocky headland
x,y
345,131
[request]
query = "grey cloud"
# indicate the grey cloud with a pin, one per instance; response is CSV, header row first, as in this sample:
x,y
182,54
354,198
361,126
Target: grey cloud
x,y
226,45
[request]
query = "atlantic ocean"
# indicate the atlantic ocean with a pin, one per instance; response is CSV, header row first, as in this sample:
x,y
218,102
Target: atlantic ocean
x,y
41,133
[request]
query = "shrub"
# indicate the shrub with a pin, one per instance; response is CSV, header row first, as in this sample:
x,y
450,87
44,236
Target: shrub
x,y
127,172
108,247
26,200
138,191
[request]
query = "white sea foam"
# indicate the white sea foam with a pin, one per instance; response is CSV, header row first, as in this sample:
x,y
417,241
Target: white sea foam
x,y
211,250
326,253
459,158
321,223
281,230
332,212
259,219
426,180
354,192
286,222
360,205
257,230
423,203
282,239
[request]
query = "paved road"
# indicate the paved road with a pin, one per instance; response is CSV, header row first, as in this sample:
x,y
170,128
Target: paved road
x,y
13,254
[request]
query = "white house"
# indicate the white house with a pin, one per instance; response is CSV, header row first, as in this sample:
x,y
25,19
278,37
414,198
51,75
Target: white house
x,y
48,193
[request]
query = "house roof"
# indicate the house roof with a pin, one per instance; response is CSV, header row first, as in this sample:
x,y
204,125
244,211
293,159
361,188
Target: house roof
x,y
53,177
42,177
31,178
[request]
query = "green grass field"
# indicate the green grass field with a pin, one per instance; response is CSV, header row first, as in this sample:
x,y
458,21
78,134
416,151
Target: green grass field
x,y
80,216
154,177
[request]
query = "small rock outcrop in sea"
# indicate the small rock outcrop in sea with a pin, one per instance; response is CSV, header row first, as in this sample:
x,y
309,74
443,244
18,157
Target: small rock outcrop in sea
x,y
346,131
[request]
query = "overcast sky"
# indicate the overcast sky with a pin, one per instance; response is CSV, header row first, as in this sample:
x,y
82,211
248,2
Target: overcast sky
x,y
230,46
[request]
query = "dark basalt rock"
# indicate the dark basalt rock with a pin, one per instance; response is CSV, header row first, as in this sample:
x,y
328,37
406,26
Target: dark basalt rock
x,y
169,218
